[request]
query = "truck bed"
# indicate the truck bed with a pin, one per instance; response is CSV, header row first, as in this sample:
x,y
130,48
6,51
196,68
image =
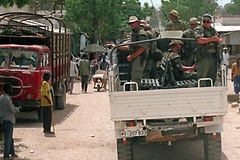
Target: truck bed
x,y
168,103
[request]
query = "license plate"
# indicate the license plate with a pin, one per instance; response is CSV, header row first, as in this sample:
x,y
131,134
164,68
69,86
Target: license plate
x,y
134,133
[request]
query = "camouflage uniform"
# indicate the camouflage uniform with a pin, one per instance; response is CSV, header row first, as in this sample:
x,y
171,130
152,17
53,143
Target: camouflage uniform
x,y
189,47
177,64
206,55
150,69
138,63
174,25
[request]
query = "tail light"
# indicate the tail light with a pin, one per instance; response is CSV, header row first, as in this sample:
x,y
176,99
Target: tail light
x,y
131,124
124,141
207,119
214,136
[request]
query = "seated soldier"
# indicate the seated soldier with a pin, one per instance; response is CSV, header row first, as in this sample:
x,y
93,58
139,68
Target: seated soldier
x,y
180,71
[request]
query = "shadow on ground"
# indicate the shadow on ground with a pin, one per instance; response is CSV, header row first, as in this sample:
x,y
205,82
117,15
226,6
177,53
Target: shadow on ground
x,y
179,150
29,119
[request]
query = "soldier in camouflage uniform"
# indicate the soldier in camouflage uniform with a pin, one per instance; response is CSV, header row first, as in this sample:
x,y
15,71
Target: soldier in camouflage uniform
x,y
180,71
208,41
140,52
154,55
189,47
175,23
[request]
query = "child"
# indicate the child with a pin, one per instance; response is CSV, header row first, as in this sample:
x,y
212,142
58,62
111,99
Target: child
x,y
46,103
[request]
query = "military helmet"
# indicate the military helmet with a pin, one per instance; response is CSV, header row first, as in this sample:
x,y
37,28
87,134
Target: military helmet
x,y
193,20
144,23
207,17
132,19
174,12
175,42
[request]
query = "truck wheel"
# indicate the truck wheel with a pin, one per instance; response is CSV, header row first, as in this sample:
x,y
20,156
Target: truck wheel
x,y
124,151
98,87
212,147
40,114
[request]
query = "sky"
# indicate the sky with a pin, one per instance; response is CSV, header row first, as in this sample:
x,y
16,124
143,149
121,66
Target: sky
x,y
157,3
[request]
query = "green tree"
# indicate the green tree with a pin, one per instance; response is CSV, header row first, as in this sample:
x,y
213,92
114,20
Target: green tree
x,y
103,19
233,8
133,8
10,3
188,8
97,18
48,5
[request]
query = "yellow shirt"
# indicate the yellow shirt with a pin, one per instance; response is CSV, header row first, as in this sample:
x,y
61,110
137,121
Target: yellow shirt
x,y
45,91
235,70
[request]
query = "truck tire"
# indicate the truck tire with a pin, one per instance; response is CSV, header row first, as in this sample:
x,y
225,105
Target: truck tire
x,y
212,146
124,151
40,114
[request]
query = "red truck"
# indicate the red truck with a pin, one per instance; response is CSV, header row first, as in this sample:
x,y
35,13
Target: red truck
x,y
31,44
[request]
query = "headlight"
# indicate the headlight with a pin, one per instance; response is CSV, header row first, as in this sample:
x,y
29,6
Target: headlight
x,y
29,96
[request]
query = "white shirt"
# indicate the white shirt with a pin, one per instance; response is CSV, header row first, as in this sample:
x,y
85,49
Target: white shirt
x,y
73,69
225,59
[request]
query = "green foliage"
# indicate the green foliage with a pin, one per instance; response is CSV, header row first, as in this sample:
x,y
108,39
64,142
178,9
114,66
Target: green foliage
x,y
10,3
97,18
188,8
103,19
233,8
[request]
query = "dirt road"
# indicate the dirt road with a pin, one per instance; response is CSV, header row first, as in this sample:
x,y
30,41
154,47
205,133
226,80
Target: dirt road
x,y
84,132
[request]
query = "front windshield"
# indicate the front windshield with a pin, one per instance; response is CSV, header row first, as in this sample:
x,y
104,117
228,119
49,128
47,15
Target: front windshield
x,y
18,58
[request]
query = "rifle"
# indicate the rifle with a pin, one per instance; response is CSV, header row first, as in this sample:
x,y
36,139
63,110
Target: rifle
x,y
166,17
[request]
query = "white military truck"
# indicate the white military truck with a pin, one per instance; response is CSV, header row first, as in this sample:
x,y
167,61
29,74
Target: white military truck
x,y
163,113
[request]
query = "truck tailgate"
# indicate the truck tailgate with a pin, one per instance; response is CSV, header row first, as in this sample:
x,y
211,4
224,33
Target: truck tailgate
x,y
168,103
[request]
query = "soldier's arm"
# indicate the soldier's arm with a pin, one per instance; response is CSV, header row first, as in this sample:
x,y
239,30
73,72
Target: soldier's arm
x,y
125,48
142,47
188,68
135,54
203,40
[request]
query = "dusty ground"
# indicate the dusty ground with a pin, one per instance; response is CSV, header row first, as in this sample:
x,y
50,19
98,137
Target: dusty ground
x,y
84,131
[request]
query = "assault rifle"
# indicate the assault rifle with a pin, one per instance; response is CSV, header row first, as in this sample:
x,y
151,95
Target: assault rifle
x,y
166,17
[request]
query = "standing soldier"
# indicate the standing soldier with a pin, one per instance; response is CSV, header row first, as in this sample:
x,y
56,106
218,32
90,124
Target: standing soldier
x,y
175,23
154,53
208,41
139,51
189,47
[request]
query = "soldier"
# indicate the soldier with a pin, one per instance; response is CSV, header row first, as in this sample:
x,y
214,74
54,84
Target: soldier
x,y
180,71
139,52
189,47
208,42
175,23
154,54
